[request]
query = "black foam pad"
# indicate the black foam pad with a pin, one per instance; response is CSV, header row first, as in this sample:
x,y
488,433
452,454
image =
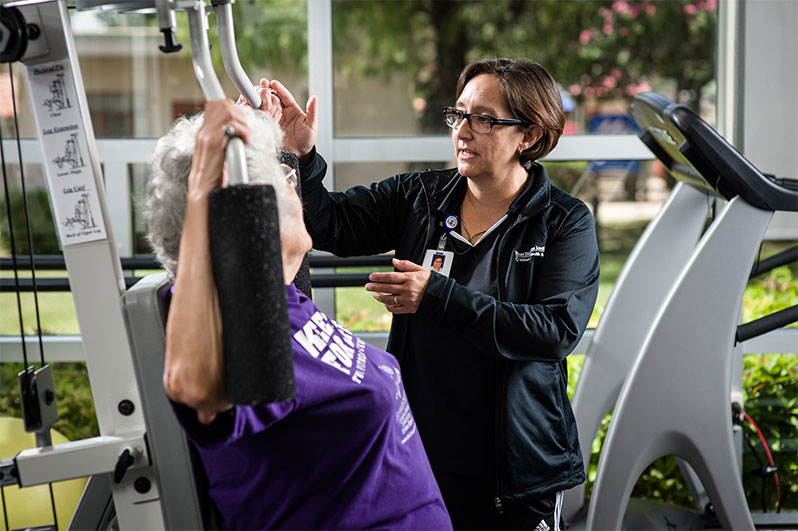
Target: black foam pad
x,y
302,280
248,270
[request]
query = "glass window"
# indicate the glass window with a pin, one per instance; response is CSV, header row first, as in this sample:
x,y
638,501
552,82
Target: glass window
x,y
138,188
42,226
135,90
396,63
349,174
14,102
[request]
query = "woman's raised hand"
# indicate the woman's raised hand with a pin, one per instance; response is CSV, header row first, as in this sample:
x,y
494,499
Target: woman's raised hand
x,y
402,291
269,102
300,126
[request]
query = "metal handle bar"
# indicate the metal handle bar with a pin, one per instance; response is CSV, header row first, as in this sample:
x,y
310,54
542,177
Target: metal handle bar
x,y
227,46
203,69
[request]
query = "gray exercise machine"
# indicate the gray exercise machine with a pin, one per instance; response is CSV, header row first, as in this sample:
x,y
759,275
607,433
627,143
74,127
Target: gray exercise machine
x,y
142,472
675,399
652,268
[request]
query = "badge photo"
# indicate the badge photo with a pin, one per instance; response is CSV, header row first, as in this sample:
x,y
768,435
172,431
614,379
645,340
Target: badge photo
x,y
438,261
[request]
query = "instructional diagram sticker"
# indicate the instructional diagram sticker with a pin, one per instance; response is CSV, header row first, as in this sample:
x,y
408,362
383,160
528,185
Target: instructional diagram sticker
x,y
65,153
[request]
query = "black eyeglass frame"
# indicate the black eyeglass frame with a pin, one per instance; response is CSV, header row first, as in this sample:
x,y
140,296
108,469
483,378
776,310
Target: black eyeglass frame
x,y
493,121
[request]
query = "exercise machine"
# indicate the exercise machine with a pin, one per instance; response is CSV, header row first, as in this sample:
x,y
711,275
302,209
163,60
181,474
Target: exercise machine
x,y
651,268
141,457
691,340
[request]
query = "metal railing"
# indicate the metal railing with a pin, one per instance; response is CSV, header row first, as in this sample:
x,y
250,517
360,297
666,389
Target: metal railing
x,y
148,263
68,347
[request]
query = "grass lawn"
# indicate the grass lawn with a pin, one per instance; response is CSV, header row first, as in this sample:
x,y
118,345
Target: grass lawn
x,y
56,309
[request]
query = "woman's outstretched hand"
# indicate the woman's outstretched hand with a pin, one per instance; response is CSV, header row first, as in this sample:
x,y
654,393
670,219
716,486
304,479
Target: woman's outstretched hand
x,y
300,127
402,291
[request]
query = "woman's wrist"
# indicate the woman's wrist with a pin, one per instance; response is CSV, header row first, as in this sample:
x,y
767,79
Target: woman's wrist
x,y
307,158
199,189
197,197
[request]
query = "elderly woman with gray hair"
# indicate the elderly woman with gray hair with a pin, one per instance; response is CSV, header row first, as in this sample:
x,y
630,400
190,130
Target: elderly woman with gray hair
x,y
345,452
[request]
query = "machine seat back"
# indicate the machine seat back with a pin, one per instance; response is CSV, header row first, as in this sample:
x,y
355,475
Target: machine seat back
x,y
182,481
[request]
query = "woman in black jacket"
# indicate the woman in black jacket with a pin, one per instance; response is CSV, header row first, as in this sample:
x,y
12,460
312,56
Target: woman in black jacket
x,y
482,342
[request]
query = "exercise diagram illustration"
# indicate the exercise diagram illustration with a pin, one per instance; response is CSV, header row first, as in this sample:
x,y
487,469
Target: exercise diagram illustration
x,y
83,218
59,99
72,155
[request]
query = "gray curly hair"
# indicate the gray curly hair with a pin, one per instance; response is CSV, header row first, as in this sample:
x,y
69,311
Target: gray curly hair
x,y
164,206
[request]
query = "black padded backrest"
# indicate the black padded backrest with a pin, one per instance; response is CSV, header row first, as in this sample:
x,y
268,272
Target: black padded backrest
x,y
694,152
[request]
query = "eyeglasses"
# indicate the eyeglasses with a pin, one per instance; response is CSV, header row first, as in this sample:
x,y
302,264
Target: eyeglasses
x,y
290,175
479,123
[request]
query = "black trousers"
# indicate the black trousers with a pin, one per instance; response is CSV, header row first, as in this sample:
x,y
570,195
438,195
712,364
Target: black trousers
x,y
471,504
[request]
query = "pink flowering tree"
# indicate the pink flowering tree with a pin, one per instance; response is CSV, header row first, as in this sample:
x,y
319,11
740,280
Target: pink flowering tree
x,y
630,46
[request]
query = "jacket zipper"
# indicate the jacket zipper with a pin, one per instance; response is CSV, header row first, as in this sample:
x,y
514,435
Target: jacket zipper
x,y
497,500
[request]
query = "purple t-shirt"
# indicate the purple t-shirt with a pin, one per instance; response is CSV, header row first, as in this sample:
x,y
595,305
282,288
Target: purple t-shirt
x,y
344,454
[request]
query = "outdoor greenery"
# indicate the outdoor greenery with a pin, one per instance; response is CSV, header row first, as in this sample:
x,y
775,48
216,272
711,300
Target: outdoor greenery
x,y
594,48
41,222
73,395
771,400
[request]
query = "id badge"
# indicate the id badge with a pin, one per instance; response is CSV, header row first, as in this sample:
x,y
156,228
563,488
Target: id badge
x,y
438,261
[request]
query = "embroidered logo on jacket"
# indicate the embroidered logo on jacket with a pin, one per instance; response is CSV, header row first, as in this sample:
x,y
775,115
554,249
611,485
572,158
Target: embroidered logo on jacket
x,y
526,256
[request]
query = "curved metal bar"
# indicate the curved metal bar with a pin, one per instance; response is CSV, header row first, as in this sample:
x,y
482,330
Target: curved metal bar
x,y
148,261
203,69
227,46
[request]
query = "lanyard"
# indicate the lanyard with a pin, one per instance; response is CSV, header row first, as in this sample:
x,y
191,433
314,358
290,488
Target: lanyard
x,y
450,223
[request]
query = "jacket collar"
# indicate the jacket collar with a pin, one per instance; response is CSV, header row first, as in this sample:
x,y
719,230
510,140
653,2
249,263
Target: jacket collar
x,y
539,192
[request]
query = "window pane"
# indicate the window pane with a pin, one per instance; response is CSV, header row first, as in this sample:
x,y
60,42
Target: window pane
x,y
396,63
355,308
135,90
138,188
40,219
349,174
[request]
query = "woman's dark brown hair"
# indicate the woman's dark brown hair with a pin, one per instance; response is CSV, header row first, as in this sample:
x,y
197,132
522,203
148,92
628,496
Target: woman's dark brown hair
x,y
531,95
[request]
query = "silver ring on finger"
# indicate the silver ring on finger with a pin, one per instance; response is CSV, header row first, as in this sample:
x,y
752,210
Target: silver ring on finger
x,y
229,131
396,299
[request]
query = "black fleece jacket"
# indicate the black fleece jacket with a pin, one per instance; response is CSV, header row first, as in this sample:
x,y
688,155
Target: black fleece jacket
x,y
548,273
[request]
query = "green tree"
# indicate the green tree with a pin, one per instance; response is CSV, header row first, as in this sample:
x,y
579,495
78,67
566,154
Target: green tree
x,y
270,33
595,48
